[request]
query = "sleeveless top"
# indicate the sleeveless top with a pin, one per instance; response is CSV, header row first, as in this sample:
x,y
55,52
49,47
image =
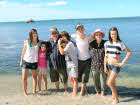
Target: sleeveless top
x,y
31,54
83,48
42,61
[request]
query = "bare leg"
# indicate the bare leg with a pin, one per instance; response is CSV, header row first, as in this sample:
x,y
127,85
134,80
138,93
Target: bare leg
x,y
34,76
72,81
24,80
75,86
112,99
111,83
86,92
45,81
57,85
39,81
97,93
66,87
102,93
83,87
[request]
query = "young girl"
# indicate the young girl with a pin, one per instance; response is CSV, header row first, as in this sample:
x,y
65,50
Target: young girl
x,y
84,60
42,65
71,59
112,64
29,59
97,63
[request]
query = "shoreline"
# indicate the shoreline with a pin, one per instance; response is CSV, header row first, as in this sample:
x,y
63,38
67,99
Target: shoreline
x,y
11,93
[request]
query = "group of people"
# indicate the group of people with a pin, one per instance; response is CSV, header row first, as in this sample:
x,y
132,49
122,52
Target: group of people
x,y
72,59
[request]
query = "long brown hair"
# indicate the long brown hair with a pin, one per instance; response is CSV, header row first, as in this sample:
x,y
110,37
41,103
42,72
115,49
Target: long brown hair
x,y
66,34
118,37
31,35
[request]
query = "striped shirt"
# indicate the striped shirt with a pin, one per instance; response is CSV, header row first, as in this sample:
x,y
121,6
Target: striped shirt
x,y
114,49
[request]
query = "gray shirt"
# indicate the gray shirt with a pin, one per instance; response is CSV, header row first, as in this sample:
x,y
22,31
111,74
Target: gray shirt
x,y
70,57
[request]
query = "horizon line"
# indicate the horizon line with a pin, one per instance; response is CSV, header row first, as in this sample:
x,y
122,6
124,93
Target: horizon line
x,y
68,19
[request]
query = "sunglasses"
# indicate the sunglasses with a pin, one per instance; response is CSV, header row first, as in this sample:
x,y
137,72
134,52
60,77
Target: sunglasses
x,y
54,33
98,35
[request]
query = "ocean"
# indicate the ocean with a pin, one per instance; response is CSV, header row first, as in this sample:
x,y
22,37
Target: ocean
x,y
13,34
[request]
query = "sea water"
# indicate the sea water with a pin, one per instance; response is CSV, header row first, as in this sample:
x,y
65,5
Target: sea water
x,y
13,34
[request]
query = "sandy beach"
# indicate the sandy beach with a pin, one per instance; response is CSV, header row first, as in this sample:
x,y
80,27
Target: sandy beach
x,y
11,93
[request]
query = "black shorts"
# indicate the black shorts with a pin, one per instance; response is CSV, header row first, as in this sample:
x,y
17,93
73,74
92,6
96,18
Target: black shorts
x,y
84,70
56,74
27,65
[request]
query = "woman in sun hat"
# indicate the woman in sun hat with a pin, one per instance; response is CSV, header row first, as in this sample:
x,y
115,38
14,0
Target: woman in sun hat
x,y
97,63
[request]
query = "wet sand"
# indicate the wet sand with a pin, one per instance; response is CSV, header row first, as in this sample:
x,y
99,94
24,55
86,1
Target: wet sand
x,y
11,93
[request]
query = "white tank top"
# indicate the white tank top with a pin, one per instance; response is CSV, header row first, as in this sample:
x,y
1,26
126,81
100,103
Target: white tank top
x,y
31,54
83,48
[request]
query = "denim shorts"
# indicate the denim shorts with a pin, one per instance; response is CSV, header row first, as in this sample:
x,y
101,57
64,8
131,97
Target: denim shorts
x,y
113,68
27,65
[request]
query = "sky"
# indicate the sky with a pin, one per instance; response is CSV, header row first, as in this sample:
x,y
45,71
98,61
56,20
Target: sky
x,y
21,10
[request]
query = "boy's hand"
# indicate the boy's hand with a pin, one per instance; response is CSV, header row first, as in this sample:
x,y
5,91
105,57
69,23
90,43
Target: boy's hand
x,y
21,63
59,41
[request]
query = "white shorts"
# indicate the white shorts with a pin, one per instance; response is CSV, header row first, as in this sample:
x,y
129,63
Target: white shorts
x,y
72,72
42,70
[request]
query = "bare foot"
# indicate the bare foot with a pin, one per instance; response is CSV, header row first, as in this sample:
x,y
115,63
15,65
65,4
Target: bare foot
x,y
66,92
81,95
25,94
38,92
102,94
73,94
111,99
97,94
116,101
34,92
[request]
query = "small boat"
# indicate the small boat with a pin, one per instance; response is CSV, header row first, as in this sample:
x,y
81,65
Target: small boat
x,y
29,21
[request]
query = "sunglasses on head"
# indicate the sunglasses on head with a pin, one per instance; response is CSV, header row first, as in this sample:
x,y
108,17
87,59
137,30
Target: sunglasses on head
x,y
54,33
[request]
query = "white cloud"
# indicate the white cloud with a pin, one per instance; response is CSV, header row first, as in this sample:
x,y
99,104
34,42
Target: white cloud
x,y
6,4
34,5
121,6
3,2
57,3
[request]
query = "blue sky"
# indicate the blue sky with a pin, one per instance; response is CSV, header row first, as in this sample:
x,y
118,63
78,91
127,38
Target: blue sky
x,y
21,10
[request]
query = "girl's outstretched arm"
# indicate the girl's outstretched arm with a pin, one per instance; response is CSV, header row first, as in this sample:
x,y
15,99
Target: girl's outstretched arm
x,y
126,58
23,52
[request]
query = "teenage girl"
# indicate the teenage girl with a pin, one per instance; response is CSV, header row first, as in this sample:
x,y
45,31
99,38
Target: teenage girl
x,y
112,63
29,59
